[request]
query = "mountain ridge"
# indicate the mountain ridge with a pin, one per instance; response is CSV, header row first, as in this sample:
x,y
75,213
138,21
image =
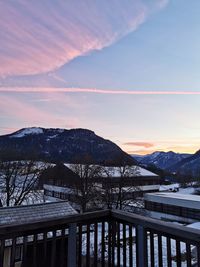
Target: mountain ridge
x,y
64,145
161,159
179,164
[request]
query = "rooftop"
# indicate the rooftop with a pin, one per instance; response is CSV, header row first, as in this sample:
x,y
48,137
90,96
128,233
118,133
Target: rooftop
x,y
134,171
59,172
174,199
177,196
34,213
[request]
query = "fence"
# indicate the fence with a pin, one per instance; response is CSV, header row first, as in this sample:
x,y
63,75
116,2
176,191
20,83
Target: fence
x,y
102,238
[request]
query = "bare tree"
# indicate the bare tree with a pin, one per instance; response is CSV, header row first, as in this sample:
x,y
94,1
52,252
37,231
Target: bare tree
x,y
105,187
18,182
86,190
119,186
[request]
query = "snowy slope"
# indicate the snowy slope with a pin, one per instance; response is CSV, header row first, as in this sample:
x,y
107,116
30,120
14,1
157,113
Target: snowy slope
x,y
27,131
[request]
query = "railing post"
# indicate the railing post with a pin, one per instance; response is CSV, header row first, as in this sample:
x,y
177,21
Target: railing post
x,y
71,259
141,246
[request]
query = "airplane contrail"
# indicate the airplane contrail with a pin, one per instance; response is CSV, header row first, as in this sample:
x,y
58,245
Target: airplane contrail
x,y
93,91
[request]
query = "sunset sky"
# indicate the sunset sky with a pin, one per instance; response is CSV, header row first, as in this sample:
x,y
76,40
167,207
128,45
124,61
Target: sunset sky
x,y
128,70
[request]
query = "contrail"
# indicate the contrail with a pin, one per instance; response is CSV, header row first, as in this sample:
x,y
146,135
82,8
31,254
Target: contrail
x,y
94,91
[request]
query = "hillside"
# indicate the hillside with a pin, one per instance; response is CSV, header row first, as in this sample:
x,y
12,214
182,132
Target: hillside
x,y
61,145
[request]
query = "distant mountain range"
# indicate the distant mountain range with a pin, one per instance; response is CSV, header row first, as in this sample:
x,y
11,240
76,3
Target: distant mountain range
x,y
181,164
162,160
82,145
61,145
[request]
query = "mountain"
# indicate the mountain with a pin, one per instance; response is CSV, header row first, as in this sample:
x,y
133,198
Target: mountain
x,y
61,145
161,160
189,166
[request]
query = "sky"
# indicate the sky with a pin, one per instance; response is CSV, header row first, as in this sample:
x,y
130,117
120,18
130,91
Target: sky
x,y
128,70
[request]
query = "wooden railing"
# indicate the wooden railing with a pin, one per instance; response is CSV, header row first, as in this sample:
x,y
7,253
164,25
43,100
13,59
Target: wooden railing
x,y
103,238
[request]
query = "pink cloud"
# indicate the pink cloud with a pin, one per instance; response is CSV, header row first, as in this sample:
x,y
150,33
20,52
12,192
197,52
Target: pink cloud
x,y
40,36
93,91
140,144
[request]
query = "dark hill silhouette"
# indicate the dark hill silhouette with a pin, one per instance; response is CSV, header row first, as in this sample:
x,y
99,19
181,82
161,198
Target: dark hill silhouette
x,y
61,145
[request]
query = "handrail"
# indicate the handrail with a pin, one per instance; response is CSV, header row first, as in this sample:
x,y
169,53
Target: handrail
x,y
157,225
135,219
112,233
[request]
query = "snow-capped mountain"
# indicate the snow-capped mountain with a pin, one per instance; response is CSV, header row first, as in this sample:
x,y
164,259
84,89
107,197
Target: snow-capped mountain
x,y
27,131
189,166
161,160
56,145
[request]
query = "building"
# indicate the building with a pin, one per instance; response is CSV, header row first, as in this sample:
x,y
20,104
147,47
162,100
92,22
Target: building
x,y
61,181
24,215
173,206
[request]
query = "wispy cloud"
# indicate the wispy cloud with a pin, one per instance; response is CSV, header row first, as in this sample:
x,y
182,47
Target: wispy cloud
x,y
22,112
93,91
40,36
140,144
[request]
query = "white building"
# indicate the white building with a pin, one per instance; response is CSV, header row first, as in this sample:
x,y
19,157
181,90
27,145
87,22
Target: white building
x,y
173,206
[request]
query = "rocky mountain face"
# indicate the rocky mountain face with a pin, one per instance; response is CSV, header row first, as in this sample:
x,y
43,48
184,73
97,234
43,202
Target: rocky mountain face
x,y
161,160
61,145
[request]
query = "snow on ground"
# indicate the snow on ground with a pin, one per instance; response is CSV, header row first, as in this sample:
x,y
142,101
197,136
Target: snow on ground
x,y
187,191
20,182
169,187
177,189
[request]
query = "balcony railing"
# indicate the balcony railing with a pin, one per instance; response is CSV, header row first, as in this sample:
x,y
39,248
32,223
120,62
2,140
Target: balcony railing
x,y
102,238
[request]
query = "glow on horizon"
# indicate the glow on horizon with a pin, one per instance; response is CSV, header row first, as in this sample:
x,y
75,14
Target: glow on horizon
x,y
184,149
145,148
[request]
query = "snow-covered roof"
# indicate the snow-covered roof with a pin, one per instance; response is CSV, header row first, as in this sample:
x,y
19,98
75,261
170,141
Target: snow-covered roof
x,y
178,196
175,199
35,213
134,171
131,171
